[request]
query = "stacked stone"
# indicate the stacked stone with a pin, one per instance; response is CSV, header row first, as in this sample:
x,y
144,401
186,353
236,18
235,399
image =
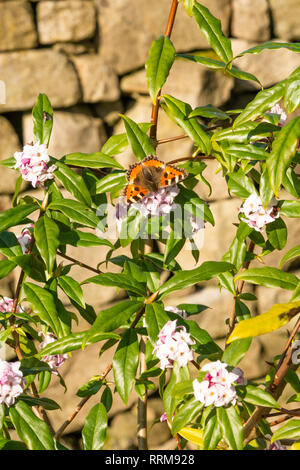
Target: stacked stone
x,y
88,56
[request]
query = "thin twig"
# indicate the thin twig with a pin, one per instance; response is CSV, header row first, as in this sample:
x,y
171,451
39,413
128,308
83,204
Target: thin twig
x,y
197,157
79,263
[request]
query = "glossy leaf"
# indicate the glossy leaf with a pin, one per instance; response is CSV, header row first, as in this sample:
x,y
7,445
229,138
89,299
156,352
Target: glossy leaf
x,y
139,141
179,111
283,150
46,234
257,396
292,253
31,430
263,101
73,183
158,64
92,160
278,316
211,29
125,363
184,279
277,233
94,429
76,211
269,277
16,216
42,114
290,430
186,414
232,427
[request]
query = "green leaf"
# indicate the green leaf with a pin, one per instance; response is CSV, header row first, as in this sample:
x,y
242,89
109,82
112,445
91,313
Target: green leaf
x,y
292,96
179,374
32,265
210,112
283,150
290,208
73,183
125,363
75,341
263,101
139,141
6,266
46,234
72,288
46,403
256,396
31,430
245,133
43,304
118,143
290,430
91,387
155,319
235,352
211,29
11,445
79,238
114,181
118,280
231,424
32,366
91,160
240,185
9,245
207,61
212,431
16,216
270,45
94,429
179,111
188,5
184,279
186,414
247,152
158,65
278,316
277,233
107,398
269,277
42,114
76,211
292,253
112,318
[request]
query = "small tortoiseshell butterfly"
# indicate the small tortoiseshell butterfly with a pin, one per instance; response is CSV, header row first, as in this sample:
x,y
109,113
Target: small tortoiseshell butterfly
x,y
148,176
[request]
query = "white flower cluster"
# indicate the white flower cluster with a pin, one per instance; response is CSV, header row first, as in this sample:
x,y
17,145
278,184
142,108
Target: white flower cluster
x,y
25,237
32,163
12,382
217,388
56,360
158,203
173,345
256,215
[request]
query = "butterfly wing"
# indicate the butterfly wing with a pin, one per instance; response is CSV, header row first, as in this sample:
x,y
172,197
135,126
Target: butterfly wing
x,y
172,175
134,192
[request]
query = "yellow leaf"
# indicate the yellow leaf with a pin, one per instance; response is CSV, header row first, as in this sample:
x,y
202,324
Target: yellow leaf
x,y
278,316
192,435
295,446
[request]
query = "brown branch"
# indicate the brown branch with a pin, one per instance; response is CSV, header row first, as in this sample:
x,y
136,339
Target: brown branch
x,y
277,385
155,107
79,263
191,158
171,139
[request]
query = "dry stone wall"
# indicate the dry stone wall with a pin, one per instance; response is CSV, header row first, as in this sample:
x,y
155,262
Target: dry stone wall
x,y
88,57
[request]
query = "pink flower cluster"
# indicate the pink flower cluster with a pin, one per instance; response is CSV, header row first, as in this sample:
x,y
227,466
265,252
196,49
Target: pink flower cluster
x,y
26,237
256,215
158,203
173,345
217,388
12,382
32,163
277,109
56,360
6,305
